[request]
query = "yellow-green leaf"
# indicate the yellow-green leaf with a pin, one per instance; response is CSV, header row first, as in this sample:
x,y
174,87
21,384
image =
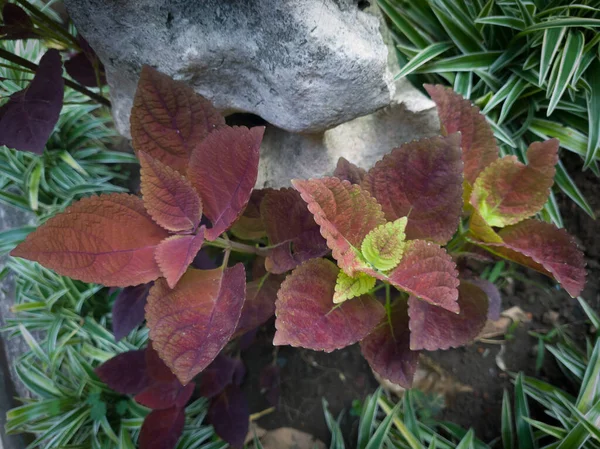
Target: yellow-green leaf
x,y
348,287
384,246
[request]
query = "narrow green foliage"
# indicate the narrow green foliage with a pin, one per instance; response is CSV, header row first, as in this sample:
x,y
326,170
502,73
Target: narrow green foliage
x,y
384,246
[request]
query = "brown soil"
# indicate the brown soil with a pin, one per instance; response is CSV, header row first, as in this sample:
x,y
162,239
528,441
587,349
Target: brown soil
x,y
343,376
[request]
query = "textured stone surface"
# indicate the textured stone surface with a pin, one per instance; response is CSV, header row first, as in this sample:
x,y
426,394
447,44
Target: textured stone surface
x,y
302,65
363,141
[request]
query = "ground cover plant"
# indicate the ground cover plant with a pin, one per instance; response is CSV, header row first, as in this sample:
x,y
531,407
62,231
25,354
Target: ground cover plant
x,y
533,67
373,255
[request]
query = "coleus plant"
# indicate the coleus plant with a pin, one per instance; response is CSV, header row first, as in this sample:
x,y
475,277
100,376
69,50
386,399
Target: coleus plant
x,y
346,238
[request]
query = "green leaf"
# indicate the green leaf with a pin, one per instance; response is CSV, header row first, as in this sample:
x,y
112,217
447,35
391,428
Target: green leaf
x,y
411,33
514,94
367,420
380,435
462,63
410,417
425,55
593,109
337,438
507,422
463,84
524,432
467,441
502,93
591,313
578,435
348,287
550,46
560,23
384,246
503,21
567,185
589,392
34,184
556,432
464,39
571,57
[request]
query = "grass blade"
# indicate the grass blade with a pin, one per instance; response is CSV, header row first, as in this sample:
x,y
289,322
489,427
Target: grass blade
x,y
590,386
593,108
507,425
550,46
462,63
503,21
571,57
524,432
367,420
424,56
567,185
560,23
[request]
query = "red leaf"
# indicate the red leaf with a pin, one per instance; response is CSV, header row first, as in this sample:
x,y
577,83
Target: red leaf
x,y
162,395
387,348
17,23
230,416
459,115
218,375
190,324
223,169
169,197
125,373
27,119
346,214
157,369
106,239
508,191
250,226
290,225
162,428
169,119
429,273
434,328
347,171
307,317
128,309
175,254
423,180
493,295
545,248
260,303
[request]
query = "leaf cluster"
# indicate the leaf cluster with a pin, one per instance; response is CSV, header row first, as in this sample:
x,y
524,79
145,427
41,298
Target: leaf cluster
x,y
533,68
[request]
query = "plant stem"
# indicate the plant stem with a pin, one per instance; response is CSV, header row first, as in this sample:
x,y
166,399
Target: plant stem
x,y
31,66
237,247
49,22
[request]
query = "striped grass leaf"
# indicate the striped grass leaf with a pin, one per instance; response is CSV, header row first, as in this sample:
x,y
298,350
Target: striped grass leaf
x,y
407,28
34,184
593,108
424,56
410,439
378,439
551,43
367,419
578,434
462,63
502,93
590,312
573,364
570,138
466,41
410,417
547,429
569,61
337,438
566,184
515,93
523,429
589,392
467,441
507,425
525,13
560,23
463,84
503,21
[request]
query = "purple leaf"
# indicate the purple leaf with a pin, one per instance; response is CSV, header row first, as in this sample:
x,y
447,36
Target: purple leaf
x,y
125,373
494,298
81,69
260,303
162,395
270,384
162,429
17,23
229,414
128,309
217,376
29,116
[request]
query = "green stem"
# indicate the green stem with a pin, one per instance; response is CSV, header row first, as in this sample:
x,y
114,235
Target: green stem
x,y
31,66
237,247
49,22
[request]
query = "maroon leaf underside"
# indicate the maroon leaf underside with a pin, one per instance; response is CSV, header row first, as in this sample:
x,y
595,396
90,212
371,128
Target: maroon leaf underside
x,y
169,119
270,384
346,213
223,371
306,316
423,180
229,414
162,395
493,295
125,373
190,324
82,69
29,116
544,248
175,254
260,303
387,348
433,328
347,171
456,114
289,224
429,273
162,428
17,23
128,309
223,170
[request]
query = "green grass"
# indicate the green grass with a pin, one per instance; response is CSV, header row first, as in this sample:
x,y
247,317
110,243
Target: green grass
x,y
533,67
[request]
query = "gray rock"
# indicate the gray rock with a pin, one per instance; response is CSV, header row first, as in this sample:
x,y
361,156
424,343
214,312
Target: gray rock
x,y
302,65
363,141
